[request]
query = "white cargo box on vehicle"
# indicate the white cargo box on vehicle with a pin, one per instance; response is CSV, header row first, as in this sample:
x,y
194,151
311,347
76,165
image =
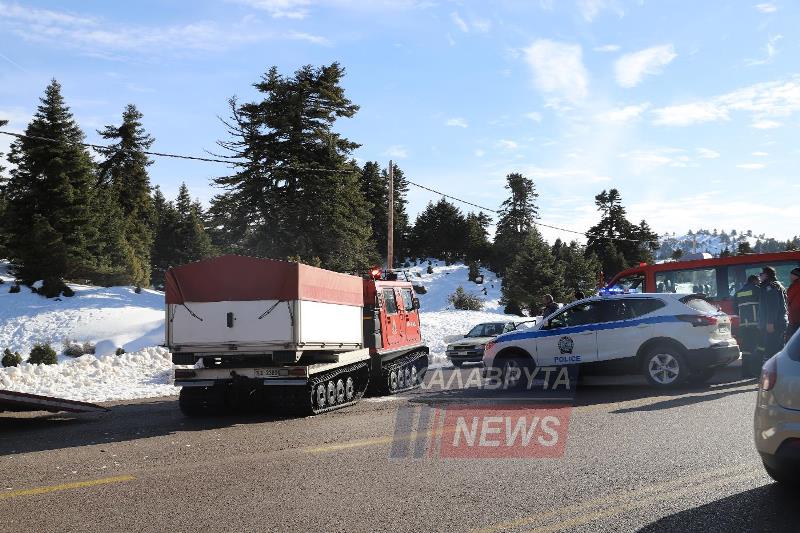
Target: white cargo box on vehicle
x,y
241,304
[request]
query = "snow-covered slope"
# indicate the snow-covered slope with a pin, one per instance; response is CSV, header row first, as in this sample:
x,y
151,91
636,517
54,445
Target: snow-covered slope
x,y
705,241
438,318
118,317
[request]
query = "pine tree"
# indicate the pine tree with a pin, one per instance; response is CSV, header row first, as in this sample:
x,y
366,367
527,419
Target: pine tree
x,y
615,237
478,247
192,241
581,270
534,273
296,189
51,191
124,173
3,183
165,242
440,231
517,215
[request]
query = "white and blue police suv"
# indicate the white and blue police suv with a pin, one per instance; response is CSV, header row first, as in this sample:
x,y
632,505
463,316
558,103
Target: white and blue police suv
x,y
670,338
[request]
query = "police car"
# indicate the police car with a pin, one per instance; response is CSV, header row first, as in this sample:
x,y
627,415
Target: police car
x,y
670,338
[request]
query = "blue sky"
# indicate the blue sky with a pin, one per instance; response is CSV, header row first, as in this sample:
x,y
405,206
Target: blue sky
x,y
689,108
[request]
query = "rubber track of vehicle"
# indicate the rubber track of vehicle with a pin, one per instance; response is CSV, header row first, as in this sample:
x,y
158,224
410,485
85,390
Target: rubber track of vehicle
x,y
383,389
316,380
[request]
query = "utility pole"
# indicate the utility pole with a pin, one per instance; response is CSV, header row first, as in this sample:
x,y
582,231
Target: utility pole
x,y
390,212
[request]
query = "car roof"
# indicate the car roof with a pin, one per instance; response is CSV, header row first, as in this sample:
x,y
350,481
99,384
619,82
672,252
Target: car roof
x,y
650,295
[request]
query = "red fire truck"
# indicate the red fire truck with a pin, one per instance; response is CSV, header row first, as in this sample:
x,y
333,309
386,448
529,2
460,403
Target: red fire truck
x,y
718,278
251,332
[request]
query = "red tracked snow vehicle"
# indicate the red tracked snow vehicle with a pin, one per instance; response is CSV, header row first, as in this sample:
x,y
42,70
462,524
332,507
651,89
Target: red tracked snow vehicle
x,y
301,339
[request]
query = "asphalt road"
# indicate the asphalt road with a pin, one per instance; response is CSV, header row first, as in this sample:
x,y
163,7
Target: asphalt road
x,y
633,459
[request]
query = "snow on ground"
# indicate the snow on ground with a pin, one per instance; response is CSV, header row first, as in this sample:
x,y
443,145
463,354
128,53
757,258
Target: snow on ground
x,y
143,374
112,317
438,318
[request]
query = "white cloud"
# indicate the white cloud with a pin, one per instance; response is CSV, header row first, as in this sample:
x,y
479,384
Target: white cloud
x,y
308,37
766,7
751,166
573,175
642,161
688,114
507,144
770,51
476,24
534,116
458,21
607,48
479,153
397,151
589,9
292,9
102,38
765,124
765,102
760,154
622,114
707,153
630,69
558,69
457,122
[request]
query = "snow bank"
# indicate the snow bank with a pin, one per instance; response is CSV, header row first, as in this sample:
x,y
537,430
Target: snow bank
x,y
143,374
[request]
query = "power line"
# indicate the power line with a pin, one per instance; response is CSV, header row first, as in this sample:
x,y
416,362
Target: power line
x,y
232,161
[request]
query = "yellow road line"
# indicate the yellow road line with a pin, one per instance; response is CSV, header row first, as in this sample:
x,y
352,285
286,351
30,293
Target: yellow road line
x,y
326,448
66,486
616,498
613,511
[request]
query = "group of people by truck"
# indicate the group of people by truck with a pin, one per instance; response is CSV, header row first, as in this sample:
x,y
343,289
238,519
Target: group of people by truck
x,y
769,315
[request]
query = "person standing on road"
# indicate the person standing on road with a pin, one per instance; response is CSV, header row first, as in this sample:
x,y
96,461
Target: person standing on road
x,y
746,301
793,303
550,306
772,318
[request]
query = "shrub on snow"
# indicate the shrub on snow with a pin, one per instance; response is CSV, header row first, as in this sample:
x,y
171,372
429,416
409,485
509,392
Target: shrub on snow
x,y
11,359
464,301
43,354
14,288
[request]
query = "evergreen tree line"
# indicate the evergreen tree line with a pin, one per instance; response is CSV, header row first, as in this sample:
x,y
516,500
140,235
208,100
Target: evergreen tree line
x,y
295,192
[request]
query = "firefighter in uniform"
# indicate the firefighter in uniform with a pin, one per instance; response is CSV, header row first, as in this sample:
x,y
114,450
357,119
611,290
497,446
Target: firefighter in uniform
x,y
747,300
772,319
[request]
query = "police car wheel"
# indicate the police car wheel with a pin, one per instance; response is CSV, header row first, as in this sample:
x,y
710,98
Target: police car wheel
x,y
664,367
512,372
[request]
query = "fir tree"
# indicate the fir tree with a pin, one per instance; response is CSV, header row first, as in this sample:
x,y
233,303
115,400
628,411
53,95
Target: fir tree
x,y
615,237
51,192
296,189
581,270
534,273
478,247
124,174
517,215
165,242
440,231
3,182
192,241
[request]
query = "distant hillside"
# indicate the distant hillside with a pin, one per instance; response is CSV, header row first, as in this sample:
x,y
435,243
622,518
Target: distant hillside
x,y
716,242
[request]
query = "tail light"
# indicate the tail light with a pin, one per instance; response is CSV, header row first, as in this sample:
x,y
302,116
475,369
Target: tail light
x,y
769,374
698,320
488,346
